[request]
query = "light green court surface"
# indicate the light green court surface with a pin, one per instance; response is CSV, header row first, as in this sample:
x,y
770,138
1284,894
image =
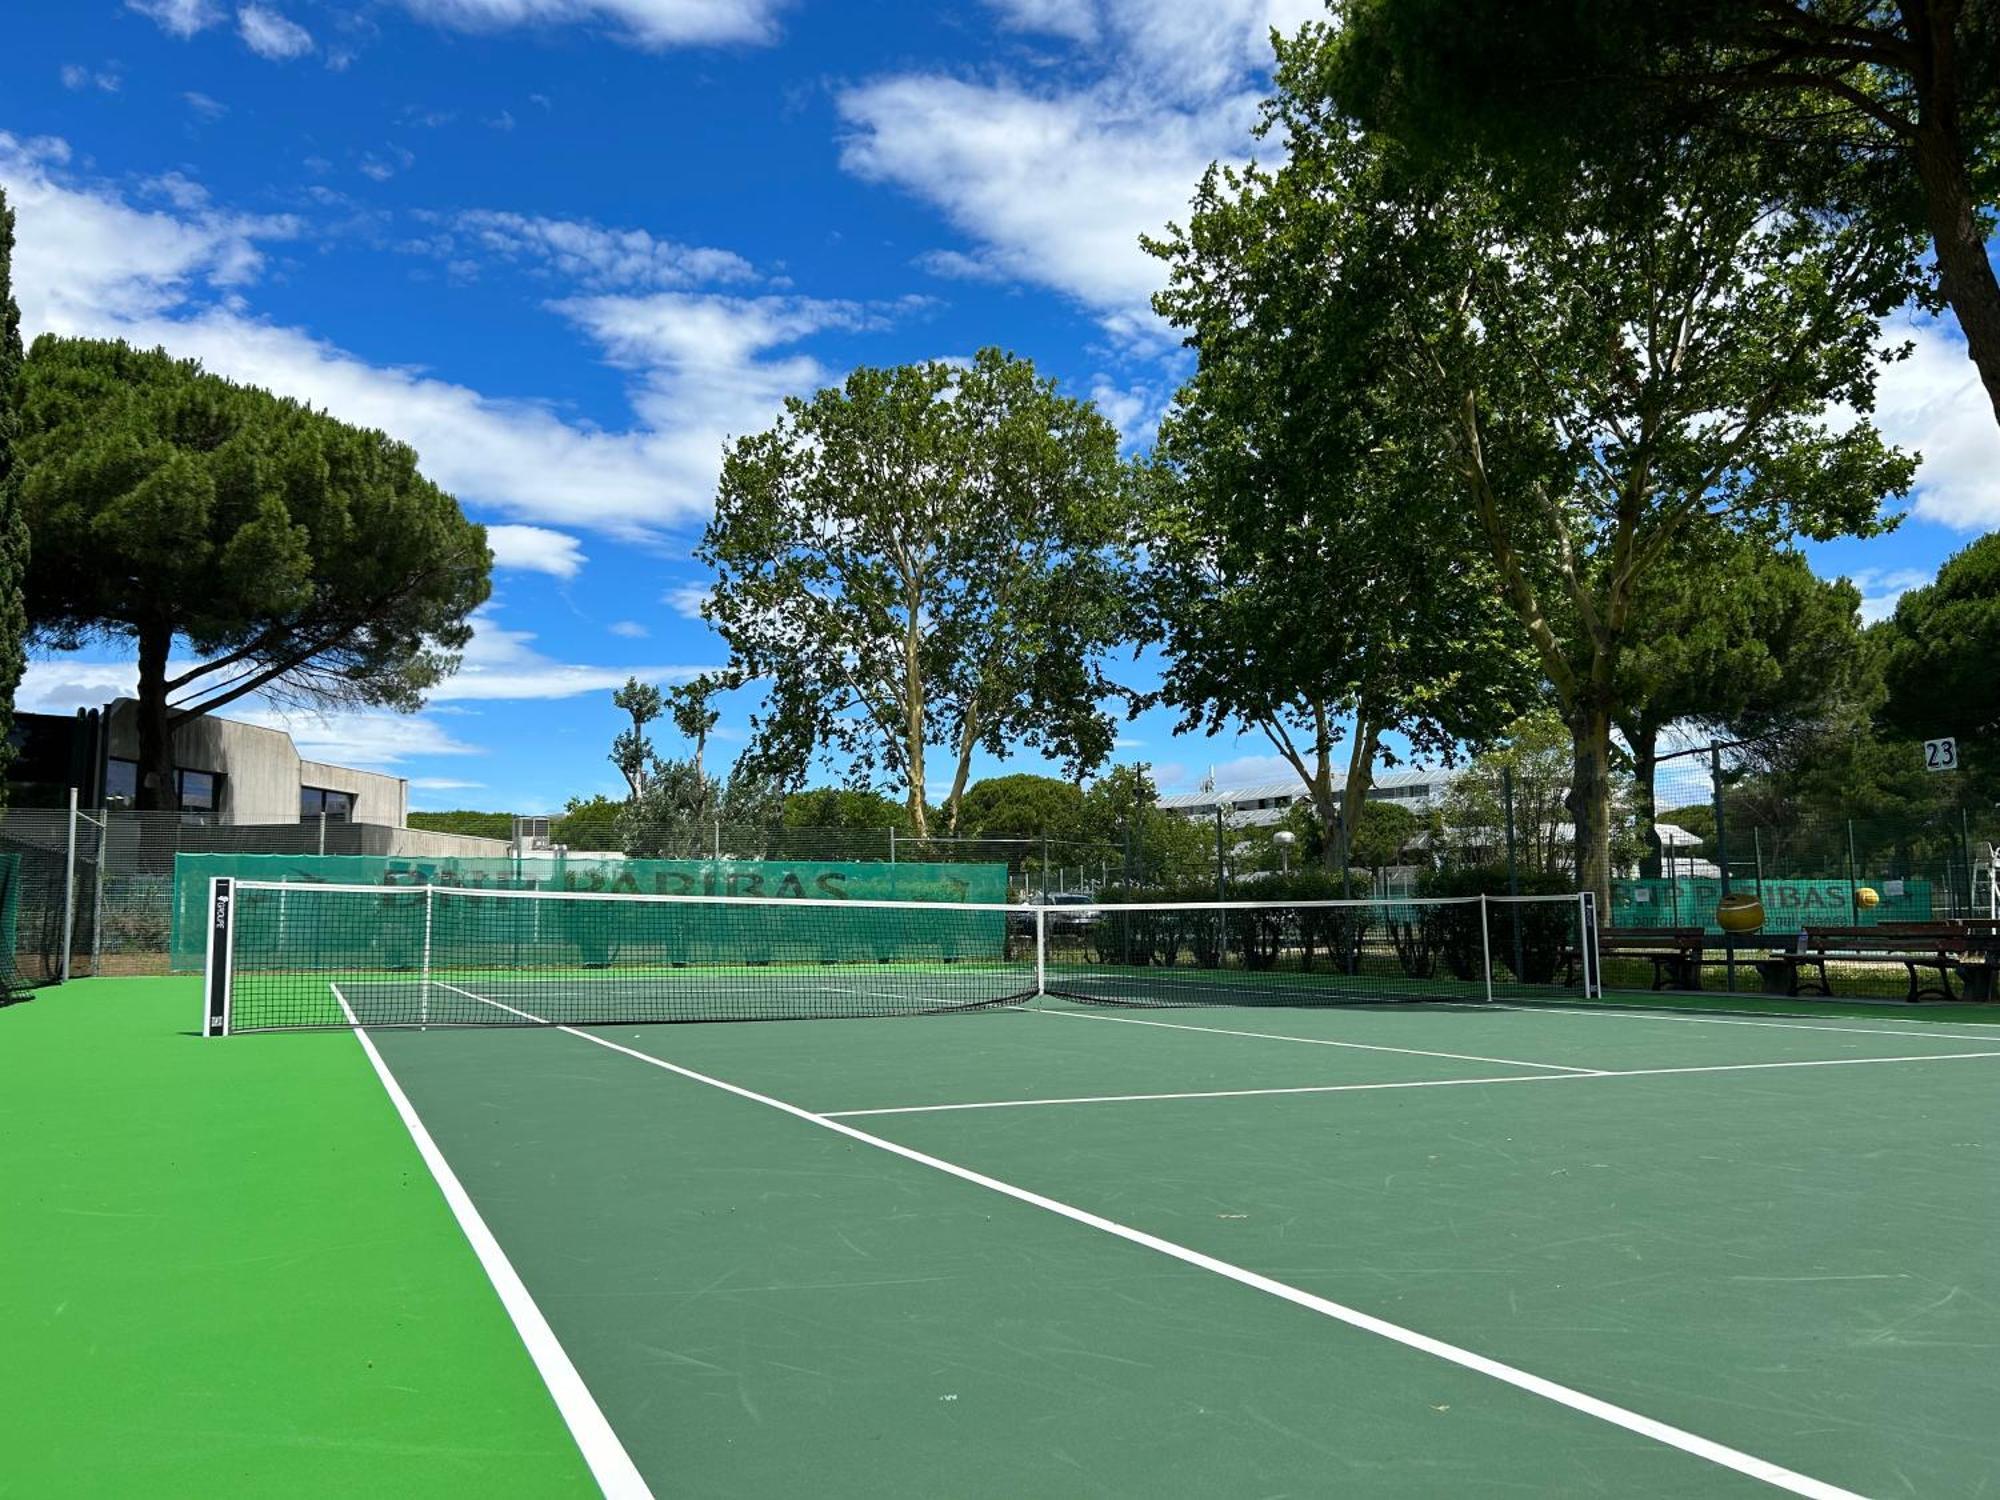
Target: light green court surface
x,y
233,1273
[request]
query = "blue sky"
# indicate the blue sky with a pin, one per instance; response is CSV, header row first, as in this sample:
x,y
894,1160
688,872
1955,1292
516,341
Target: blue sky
x,y
567,247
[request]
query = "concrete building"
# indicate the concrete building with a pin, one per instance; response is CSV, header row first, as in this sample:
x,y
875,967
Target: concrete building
x,y
228,772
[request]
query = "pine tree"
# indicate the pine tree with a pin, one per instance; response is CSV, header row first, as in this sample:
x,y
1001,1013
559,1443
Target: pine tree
x,y
13,528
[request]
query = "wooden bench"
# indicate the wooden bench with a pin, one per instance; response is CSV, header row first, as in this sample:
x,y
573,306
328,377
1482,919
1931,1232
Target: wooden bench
x,y
1676,953
1944,948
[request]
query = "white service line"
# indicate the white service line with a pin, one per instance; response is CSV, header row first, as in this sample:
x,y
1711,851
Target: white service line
x,y
1317,1041
1596,1014
1420,1083
610,1465
1578,1401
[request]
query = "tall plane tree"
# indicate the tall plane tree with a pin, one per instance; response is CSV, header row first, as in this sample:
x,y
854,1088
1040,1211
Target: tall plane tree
x,y
1888,108
925,558
294,556
13,525
1627,362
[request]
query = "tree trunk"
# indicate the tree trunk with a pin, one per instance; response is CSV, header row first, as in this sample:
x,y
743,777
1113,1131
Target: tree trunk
x,y
1589,799
1354,792
1644,738
1950,207
157,791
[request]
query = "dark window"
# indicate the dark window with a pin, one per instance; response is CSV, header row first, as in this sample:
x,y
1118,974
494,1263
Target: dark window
x,y
121,781
200,791
337,806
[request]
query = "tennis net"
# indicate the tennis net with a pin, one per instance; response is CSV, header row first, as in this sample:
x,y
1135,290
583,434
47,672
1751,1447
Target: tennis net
x,y
285,956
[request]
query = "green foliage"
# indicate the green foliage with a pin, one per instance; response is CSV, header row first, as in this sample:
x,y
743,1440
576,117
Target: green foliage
x,y
631,751
1636,357
482,825
673,815
927,557
1384,835
843,807
1877,112
1942,663
294,555
586,823
1535,756
1020,806
13,524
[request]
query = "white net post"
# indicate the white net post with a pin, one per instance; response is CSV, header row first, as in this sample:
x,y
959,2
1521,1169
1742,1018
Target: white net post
x,y
69,890
424,984
1586,943
1485,946
1041,951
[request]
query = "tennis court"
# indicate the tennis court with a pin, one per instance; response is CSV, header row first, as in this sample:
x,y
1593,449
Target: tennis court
x,y
1106,1237
1057,1249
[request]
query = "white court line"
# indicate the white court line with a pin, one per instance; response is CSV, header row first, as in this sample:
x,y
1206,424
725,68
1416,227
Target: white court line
x,y
1317,1041
1578,1401
610,1465
1650,1015
1421,1083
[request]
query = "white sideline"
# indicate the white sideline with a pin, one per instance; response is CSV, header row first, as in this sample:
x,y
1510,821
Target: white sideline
x,y
1420,1083
1599,1013
1317,1041
610,1465
1535,1385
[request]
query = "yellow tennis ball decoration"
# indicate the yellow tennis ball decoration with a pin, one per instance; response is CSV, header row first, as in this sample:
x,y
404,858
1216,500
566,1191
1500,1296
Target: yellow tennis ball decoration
x,y
1867,897
1739,911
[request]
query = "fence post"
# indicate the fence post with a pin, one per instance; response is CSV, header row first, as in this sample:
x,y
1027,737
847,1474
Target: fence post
x,y
1485,946
1721,862
322,830
1853,898
69,889
1513,865
97,893
1965,842
892,843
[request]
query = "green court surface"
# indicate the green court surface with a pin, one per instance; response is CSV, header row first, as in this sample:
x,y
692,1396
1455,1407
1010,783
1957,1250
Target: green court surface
x,y
1047,1251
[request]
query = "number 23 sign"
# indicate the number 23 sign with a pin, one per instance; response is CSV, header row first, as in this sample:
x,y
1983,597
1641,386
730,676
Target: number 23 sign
x,y
1941,755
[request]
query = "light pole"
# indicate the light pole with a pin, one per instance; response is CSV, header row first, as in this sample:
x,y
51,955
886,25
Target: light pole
x,y
1284,838
1223,808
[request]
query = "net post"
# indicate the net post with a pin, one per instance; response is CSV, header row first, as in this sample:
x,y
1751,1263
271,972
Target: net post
x,y
1586,942
221,950
424,981
1041,951
1485,946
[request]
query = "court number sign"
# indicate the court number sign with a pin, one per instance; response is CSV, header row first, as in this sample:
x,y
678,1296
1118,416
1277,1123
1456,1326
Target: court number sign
x,y
1941,755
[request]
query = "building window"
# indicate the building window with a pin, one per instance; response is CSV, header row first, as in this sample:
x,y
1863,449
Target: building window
x,y
337,807
200,791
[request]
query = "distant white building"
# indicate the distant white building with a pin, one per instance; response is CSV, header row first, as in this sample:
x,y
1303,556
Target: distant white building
x,y
1263,803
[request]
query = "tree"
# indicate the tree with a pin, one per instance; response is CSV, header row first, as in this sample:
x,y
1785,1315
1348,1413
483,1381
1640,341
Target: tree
x,y
843,807
672,815
688,702
631,751
482,825
1384,833
298,557
1942,646
13,524
926,557
1640,358
1021,806
586,823
1532,762
1886,105
1748,644
1292,593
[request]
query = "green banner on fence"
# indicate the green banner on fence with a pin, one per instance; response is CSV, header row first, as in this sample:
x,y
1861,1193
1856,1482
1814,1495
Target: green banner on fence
x,y
1788,904
790,879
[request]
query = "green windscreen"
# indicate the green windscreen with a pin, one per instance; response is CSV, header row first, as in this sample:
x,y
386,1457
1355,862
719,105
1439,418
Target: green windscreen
x,y
785,879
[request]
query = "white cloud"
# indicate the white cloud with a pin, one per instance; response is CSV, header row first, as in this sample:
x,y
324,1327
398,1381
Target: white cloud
x,y
362,738
1055,188
271,35
1882,587
590,255
76,76
632,630
182,18
686,599
536,549
706,368
1934,404
442,784
207,108
643,23
503,664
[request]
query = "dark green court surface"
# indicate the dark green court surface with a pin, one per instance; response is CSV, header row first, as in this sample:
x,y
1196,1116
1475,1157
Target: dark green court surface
x,y
1398,1250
